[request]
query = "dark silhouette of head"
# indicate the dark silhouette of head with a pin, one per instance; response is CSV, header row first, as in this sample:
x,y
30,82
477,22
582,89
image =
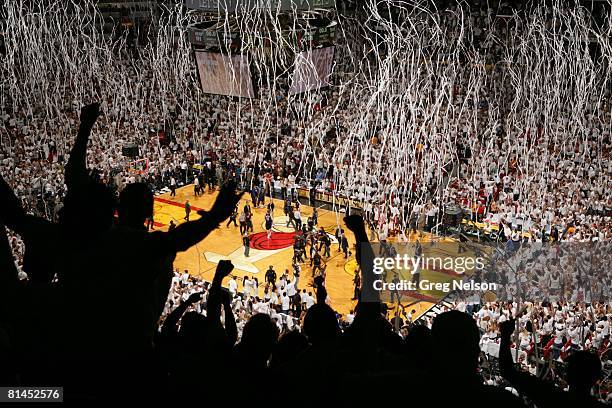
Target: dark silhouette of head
x,y
366,309
194,328
321,324
583,371
456,342
93,202
289,346
259,338
418,346
135,205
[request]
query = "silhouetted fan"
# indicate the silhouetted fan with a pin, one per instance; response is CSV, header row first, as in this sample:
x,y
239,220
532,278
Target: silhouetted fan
x,y
582,372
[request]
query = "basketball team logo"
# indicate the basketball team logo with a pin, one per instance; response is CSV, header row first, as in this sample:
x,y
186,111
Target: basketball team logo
x,y
278,240
281,239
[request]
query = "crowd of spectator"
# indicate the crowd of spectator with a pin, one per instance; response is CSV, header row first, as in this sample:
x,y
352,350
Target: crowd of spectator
x,y
547,335
91,301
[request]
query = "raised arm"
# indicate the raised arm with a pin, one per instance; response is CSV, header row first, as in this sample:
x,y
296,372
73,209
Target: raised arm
x,y
230,322
170,325
76,169
506,363
217,297
365,259
190,233
213,306
535,389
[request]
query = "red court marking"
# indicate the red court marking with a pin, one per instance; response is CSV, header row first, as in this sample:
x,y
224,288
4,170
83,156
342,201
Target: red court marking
x,y
174,203
278,240
158,224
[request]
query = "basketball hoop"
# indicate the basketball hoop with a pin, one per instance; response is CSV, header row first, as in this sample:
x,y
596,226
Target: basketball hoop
x,y
140,166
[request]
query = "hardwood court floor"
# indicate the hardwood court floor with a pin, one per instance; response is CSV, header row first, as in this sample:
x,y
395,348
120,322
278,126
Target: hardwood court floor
x,y
226,243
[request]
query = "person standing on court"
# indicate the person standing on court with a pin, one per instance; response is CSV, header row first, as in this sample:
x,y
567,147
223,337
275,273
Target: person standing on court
x,y
324,243
196,186
242,221
246,241
187,210
271,276
288,208
316,263
255,196
249,221
339,234
269,224
297,216
150,223
344,245
172,187
262,197
233,217
357,284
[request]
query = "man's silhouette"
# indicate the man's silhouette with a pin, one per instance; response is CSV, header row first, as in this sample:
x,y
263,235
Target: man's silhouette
x,y
198,354
456,350
87,212
583,371
134,266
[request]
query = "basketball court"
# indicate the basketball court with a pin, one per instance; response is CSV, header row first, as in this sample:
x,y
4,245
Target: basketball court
x,y
226,243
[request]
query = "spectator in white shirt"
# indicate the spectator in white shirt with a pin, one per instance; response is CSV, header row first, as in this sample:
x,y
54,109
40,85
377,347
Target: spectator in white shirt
x,y
285,301
290,288
310,300
232,286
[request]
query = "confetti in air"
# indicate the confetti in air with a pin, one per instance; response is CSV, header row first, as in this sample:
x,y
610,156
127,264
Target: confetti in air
x,y
410,90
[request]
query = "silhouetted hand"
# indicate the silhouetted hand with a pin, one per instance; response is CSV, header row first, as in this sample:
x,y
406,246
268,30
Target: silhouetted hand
x,y
194,297
355,224
89,114
224,268
225,203
507,328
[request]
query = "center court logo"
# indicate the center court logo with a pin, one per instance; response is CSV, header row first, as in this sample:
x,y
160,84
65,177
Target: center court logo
x,y
262,248
278,240
281,239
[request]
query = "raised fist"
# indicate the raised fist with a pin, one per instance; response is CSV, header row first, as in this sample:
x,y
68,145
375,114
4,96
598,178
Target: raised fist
x,y
224,268
355,223
89,114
